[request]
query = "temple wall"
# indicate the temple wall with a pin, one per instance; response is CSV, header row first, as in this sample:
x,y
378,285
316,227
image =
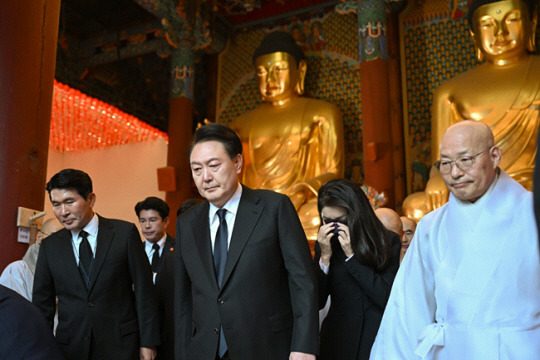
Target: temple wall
x,y
121,175
435,47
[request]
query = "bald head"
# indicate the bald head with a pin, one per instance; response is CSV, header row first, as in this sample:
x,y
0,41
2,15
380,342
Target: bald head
x,y
49,227
390,219
468,149
476,131
409,227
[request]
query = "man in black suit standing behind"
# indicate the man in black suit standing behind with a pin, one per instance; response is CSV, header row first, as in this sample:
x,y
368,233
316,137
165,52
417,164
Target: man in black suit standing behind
x,y
245,286
153,214
107,307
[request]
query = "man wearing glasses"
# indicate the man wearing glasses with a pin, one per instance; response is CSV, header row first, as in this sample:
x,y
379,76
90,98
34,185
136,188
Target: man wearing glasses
x,y
19,275
470,287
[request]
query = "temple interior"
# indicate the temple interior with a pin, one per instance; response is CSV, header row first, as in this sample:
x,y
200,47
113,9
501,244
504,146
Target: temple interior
x,y
117,88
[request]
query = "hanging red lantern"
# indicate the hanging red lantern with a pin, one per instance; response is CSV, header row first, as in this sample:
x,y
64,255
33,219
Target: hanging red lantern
x,y
80,122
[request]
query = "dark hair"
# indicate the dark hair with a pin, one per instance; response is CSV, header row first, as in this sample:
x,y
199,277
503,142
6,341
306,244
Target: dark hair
x,y
153,203
188,204
369,240
279,41
221,133
477,3
71,179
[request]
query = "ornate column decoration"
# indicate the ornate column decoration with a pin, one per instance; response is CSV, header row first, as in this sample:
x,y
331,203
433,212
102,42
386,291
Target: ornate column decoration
x,y
382,121
188,27
372,25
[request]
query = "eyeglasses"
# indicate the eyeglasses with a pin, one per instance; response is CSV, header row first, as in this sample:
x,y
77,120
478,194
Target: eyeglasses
x,y
463,163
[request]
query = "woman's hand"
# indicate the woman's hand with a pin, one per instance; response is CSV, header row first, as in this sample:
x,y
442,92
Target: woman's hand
x,y
324,236
344,238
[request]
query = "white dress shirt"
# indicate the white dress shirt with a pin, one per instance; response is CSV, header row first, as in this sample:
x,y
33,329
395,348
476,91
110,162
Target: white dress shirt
x,y
230,216
150,251
92,229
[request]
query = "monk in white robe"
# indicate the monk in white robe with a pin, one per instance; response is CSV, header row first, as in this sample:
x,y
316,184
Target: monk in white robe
x,y
469,285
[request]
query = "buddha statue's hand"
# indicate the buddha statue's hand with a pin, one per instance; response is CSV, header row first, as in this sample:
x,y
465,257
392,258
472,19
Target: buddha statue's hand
x,y
436,190
298,198
301,192
309,186
323,237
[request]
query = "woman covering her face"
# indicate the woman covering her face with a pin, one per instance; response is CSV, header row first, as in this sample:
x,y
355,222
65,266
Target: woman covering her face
x,y
358,259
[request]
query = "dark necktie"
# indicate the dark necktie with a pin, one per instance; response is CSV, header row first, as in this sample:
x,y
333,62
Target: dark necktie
x,y
220,258
220,246
85,256
155,257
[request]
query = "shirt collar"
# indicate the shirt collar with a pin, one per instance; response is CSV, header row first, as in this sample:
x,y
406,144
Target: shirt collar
x,y
482,199
91,228
161,242
231,205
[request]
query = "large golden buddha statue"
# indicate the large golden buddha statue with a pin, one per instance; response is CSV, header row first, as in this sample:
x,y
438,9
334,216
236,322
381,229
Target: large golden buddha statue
x,y
503,92
292,144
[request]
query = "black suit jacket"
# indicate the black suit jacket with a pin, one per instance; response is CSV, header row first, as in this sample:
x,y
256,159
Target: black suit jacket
x,y
268,301
165,290
168,247
24,333
359,295
118,313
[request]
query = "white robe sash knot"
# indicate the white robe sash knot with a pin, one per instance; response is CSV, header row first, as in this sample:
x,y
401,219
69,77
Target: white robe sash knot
x,y
430,336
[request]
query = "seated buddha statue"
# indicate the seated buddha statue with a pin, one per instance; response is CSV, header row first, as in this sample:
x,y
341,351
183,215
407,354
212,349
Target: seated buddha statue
x,y
292,144
503,92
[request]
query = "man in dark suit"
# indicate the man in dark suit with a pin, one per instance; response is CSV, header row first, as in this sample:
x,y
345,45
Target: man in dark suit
x,y
153,214
245,285
24,333
165,291
107,306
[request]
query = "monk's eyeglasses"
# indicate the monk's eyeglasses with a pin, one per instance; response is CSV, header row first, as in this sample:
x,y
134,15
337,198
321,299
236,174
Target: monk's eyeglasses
x,y
463,163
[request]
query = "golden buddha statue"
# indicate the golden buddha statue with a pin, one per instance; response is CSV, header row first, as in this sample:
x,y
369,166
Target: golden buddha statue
x,y
503,92
292,144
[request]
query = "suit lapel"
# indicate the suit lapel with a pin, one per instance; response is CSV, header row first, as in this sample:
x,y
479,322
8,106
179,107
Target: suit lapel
x,y
167,248
201,229
67,256
249,212
104,240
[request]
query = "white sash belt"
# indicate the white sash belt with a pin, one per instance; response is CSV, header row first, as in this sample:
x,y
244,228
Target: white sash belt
x,y
430,336
473,343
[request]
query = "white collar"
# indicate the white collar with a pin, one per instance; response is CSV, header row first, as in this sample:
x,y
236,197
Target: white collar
x,y
472,210
231,205
91,228
161,242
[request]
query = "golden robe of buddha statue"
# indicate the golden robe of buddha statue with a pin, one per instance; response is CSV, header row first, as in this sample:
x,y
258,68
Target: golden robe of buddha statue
x,y
292,144
503,92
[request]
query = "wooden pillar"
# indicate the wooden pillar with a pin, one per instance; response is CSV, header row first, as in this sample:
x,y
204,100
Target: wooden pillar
x,y
376,132
27,61
396,112
180,125
382,134
180,128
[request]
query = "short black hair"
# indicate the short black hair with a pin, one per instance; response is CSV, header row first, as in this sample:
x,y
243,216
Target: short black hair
x,y
477,3
71,179
153,203
279,41
221,133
